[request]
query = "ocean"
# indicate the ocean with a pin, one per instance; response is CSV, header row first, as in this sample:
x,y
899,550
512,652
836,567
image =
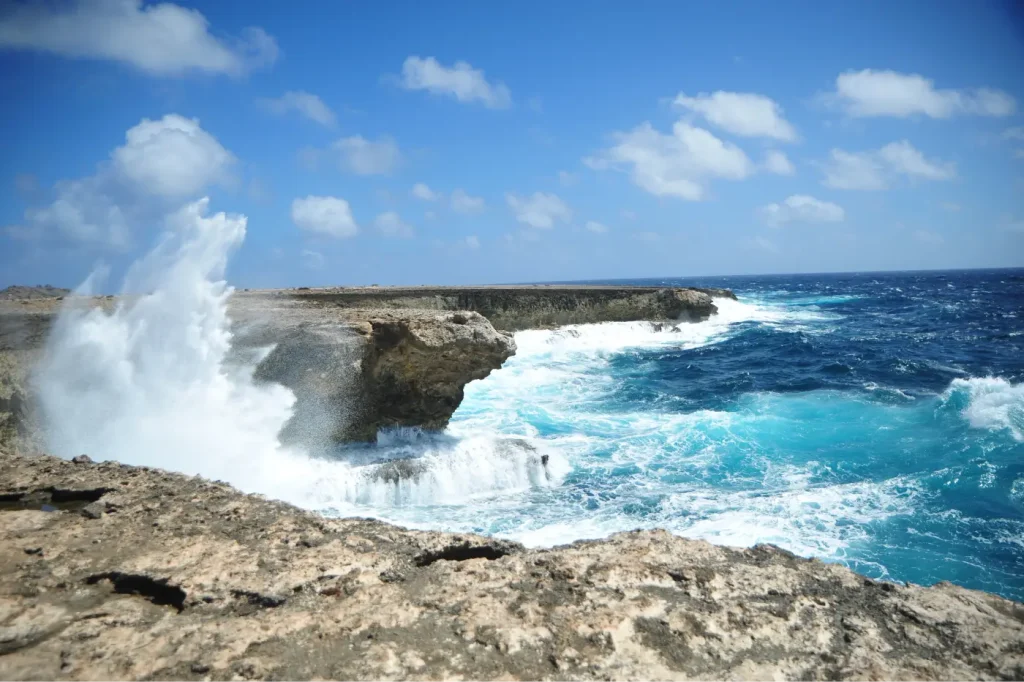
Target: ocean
x,y
875,420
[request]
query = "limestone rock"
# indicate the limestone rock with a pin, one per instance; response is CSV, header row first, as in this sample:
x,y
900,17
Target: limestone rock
x,y
185,579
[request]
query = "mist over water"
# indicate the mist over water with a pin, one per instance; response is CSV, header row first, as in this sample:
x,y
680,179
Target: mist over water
x,y
875,420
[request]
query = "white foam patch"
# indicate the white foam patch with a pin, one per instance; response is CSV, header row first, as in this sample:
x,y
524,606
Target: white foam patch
x,y
993,403
444,471
823,521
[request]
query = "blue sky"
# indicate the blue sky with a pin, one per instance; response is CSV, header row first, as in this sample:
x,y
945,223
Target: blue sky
x,y
627,140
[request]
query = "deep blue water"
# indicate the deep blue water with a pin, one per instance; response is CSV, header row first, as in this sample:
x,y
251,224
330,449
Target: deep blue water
x,y
871,419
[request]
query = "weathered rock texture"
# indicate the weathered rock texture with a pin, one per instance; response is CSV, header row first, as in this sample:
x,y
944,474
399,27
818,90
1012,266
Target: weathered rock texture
x,y
384,368
516,307
112,572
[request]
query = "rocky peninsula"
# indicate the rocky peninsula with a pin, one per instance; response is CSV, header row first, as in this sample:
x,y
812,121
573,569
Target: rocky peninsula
x,y
363,358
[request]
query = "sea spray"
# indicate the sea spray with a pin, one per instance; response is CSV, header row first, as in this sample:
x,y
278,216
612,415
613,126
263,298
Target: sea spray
x,y
153,382
147,383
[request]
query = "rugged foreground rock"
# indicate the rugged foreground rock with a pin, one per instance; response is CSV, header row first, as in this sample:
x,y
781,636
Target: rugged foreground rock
x,y
110,571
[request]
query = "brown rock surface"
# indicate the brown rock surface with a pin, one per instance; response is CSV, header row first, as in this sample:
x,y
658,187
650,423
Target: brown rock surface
x,y
137,573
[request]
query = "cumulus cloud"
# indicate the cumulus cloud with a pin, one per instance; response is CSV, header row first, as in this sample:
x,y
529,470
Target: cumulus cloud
x,y
421,191
678,165
871,93
903,158
541,210
876,170
473,242
172,157
465,203
303,103
366,157
800,208
390,224
778,163
596,227
740,113
328,216
161,163
460,81
160,39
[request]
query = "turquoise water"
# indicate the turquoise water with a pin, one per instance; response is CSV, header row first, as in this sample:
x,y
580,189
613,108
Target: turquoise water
x,y
873,420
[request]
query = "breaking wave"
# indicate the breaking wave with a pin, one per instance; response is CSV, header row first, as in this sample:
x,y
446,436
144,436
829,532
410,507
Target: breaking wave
x,y
990,403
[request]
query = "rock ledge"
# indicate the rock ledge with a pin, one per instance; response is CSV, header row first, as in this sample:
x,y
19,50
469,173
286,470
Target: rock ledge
x,y
116,572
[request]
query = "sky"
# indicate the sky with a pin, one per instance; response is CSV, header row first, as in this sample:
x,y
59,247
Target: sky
x,y
466,142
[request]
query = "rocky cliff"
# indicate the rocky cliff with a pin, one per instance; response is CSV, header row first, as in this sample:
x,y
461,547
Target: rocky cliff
x,y
115,572
516,307
363,359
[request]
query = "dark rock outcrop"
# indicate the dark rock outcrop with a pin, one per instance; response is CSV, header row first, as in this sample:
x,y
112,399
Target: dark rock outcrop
x,y
390,369
164,576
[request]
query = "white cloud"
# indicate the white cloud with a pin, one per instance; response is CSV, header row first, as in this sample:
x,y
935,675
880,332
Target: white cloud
x,y
466,204
461,81
597,227
741,113
312,260
568,179
778,163
160,163
171,157
430,215
875,170
854,171
329,216
1016,133
365,157
627,215
304,103
391,225
421,191
676,165
541,210
160,39
930,238
803,209
903,158
473,242
870,93
85,211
